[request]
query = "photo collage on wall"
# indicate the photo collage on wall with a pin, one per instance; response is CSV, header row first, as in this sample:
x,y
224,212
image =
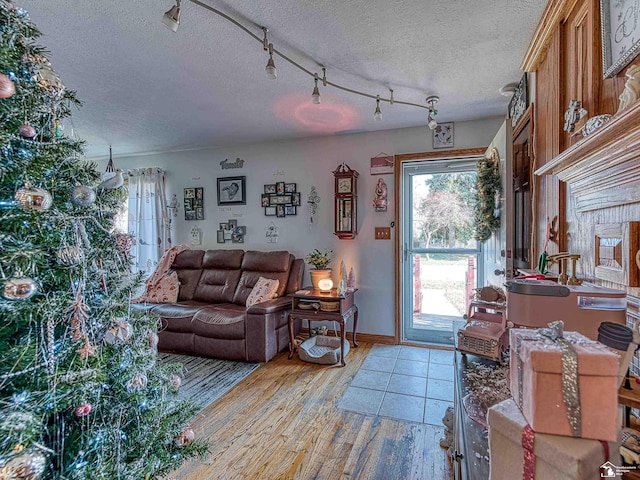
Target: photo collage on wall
x,y
193,203
280,199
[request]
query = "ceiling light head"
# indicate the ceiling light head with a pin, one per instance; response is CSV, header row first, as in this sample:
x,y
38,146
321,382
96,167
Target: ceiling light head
x,y
508,90
265,41
270,69
324,76
377,115
171,18
315,96
432,124
391,96
432,100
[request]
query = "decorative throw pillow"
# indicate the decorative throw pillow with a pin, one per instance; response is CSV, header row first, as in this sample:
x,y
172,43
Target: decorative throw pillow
x,y
264,289
165,291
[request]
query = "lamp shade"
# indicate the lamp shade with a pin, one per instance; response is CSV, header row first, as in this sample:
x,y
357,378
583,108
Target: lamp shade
x,y
325,285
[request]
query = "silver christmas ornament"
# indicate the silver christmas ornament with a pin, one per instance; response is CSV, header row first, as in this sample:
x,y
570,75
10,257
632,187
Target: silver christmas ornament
x,y
83,196
26,465
19,288
27,130
153,339
175,381
70,255
30,197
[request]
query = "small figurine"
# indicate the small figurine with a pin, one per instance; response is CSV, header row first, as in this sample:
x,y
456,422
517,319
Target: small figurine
x,y
351,281
574,113
324,331
380,197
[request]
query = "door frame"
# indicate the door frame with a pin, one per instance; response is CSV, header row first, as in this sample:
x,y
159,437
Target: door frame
x,y
399,161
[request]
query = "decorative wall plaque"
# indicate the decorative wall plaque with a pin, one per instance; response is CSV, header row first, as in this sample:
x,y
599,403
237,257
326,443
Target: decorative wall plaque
x,y
519,102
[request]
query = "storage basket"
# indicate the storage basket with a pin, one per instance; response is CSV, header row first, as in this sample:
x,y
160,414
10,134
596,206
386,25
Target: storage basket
x,y
329,306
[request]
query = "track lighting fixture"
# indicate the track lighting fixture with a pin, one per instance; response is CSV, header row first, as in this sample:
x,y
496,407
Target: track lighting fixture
x,y
171,18
270,69
377,115
431,105
315,96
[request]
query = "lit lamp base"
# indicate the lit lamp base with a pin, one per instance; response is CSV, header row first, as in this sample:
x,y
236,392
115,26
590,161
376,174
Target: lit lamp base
x,y
325,285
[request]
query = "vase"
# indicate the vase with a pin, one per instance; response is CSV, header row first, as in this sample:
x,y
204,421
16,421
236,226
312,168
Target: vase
x,y
317,275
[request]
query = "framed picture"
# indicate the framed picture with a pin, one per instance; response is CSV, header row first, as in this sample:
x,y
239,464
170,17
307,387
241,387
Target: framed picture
x,y
269,211
280,188
270,189
289,210
289,187
193,203
295,199
237,238
443,135
620,34
280,212
188,203
232,225
189,193
199,213
220,236
232,191
241,230
264,199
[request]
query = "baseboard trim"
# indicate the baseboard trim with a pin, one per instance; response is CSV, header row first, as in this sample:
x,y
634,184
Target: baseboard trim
x,y
365,337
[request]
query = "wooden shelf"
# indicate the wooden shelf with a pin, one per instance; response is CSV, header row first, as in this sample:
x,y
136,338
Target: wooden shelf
x,y
602,169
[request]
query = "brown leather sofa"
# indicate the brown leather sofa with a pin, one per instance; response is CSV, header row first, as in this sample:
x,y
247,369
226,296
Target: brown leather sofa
x,y
211,319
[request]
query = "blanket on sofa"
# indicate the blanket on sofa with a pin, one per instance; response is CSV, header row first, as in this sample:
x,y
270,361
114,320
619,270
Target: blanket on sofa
x,y
162,286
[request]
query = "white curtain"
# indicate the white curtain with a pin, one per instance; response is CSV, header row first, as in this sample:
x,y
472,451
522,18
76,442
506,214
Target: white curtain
x,y
148,222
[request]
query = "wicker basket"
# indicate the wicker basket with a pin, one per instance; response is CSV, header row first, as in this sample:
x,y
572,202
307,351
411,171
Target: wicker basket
x,y
329,306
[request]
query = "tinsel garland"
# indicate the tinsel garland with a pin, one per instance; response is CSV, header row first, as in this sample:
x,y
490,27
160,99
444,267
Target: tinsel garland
x,y
487,187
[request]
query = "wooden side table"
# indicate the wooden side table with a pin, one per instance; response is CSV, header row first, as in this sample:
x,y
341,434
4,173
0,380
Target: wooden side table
x,y
306,303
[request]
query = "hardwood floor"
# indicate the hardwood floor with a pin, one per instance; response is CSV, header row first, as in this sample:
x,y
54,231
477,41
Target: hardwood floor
x,y
282,423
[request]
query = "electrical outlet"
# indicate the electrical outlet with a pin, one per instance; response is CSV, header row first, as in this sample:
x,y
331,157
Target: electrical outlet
x,y
383,233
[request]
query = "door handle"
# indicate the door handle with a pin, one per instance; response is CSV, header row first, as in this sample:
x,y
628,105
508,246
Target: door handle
x,y
497,271
406,252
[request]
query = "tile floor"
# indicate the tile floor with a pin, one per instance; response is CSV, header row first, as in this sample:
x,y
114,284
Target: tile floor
x,y
401,382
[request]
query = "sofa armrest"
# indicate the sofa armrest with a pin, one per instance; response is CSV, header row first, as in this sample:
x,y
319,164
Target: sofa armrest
x,y
270,306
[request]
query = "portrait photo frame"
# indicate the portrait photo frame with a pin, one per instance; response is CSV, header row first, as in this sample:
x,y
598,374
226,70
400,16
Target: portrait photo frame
x,y
232,190
194,203
618,35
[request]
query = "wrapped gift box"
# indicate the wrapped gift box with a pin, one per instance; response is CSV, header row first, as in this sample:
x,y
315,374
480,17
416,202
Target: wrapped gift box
x,y
536,382
554,457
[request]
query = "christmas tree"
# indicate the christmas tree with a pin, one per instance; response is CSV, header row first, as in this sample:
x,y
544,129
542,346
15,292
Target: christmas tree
x,y
81,392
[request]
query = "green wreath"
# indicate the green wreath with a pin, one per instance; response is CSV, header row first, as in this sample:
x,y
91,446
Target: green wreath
x,y
488,186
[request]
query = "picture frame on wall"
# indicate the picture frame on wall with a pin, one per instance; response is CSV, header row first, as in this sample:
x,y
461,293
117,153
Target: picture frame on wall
x,y
620,34
443,135
270,189
194,203
280,211
232,191
280,188
220,236
295,199
290,187
290,210
269,211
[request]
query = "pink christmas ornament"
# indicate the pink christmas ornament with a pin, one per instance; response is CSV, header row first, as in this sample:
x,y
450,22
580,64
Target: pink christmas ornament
x,y
83,409
26,130
7,87
185,437
153,339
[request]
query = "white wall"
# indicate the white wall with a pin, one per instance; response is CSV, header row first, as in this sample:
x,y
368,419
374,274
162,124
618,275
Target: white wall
x,y
309,162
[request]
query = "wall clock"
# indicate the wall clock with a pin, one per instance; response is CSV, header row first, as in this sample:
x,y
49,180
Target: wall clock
x,y
346,202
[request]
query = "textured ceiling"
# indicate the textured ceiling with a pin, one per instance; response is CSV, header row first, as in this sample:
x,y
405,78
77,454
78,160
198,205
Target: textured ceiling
x,y
146,89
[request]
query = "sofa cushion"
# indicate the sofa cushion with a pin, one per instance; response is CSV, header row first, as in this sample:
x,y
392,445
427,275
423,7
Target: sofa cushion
x,y
216,285
179,310
188,266
267,261
264,289
220,321
273,265
223,259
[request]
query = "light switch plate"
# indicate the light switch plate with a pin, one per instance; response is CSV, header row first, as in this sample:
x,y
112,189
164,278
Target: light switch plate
x,y
383,233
